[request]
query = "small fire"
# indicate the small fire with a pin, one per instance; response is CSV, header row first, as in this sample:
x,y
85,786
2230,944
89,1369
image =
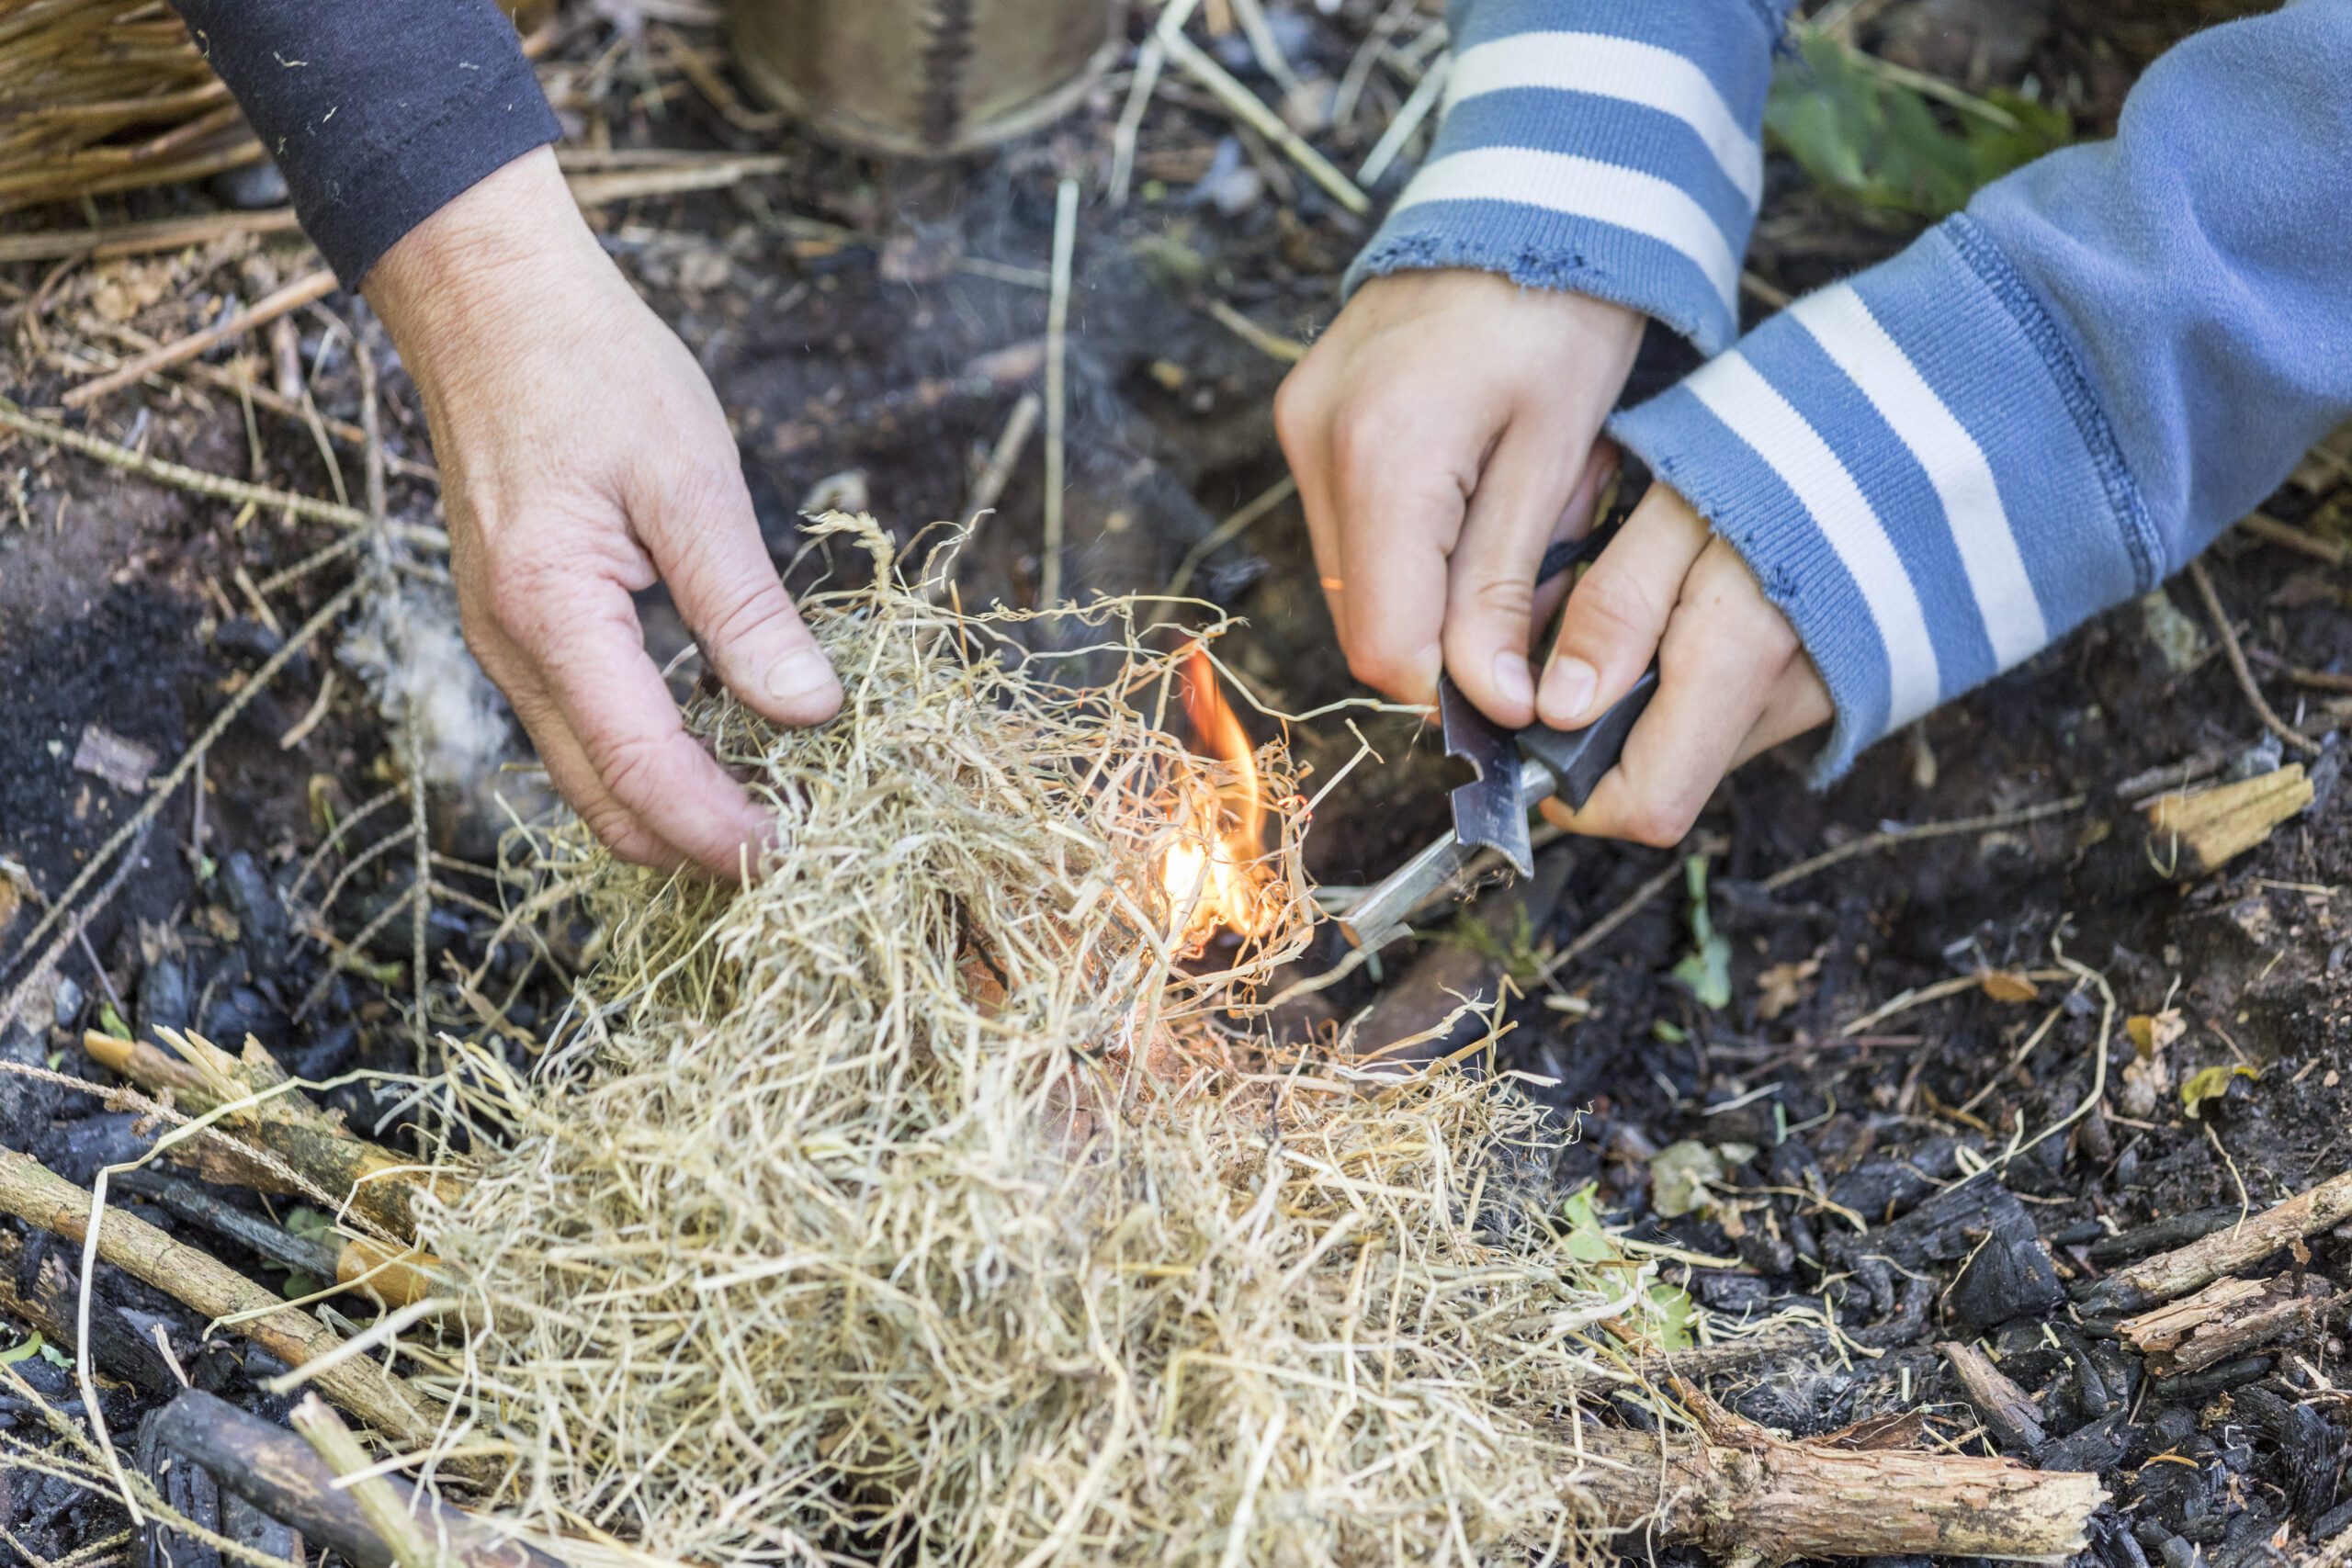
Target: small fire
x,y
1215,876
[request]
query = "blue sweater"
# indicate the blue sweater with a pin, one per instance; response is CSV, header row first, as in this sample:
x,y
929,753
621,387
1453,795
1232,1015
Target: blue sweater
x,y
2047,404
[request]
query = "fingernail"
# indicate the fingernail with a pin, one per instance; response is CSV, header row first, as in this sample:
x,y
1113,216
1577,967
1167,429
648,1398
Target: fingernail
x,y
799,675
1567,691
1513,683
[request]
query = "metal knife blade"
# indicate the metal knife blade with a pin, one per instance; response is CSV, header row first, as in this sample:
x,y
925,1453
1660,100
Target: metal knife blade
x,y
1516,770
1490,809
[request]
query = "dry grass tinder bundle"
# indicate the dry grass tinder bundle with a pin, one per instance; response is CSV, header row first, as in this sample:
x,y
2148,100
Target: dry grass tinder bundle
x,y
916,1205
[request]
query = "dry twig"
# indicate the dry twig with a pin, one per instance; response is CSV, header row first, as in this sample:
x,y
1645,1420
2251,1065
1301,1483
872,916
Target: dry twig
x,y
1888,838
1049,592
1247,107
291,297
2228,635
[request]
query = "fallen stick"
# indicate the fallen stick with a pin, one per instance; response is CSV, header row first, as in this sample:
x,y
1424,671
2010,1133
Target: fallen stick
x,y
2006,1410
1735,1490
589,188
213,487
289,1125
139,238
1049,570
292,296
2235,653
39,1197
1888,838
388,1275
276,1472
2198,1265
2287,535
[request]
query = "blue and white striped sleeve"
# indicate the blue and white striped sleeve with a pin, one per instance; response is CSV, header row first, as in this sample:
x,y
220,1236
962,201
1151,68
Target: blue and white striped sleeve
x,y
2051,402
1607,147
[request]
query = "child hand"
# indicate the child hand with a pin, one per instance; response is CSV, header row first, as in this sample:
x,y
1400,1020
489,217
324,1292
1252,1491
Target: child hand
x,y
1443,432
1733,680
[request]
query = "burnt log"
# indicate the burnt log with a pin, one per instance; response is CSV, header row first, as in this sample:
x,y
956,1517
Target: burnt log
x,y
276,1472
2198,1265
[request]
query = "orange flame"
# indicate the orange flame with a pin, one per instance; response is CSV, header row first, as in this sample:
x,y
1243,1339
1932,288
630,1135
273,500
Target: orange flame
x,y
1214,875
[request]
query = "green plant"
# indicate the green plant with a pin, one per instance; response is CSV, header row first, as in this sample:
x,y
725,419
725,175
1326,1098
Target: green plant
x,y
1869,131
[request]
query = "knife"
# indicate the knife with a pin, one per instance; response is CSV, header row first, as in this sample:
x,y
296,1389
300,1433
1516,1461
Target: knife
x,y
1516,770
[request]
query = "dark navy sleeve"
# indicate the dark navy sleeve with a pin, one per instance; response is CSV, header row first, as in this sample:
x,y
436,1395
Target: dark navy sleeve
x,y
377,111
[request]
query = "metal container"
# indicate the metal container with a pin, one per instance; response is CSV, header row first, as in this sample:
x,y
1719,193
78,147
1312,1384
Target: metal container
x,y
923,77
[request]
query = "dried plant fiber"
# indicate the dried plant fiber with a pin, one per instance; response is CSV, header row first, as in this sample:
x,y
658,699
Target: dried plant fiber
x,y
916,1205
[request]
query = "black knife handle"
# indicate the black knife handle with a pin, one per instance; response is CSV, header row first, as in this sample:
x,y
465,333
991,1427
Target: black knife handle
x,y
1563,554
1579,756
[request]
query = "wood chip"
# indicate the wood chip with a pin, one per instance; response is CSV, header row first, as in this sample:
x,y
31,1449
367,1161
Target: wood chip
x,y
122,763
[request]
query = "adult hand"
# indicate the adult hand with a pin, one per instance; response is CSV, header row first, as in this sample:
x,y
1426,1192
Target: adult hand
x,y
1733,680
583,456
1443,432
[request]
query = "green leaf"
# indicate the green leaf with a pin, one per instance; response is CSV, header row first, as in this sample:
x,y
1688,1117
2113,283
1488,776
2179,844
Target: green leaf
x,y
311,1226
1671,1313
1588,1241
111,1022
2212,1083
53,1356
1706,969
299,1284
1868,132
1679,1177
16,1353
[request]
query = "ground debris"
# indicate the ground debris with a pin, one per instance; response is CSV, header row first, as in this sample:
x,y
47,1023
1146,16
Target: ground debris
x,y
122,763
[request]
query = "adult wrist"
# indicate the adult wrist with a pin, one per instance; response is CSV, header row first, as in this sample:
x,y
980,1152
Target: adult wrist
x,y
481,262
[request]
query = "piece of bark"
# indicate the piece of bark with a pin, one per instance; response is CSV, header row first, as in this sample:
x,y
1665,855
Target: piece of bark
x,y
276,1471
39,1197
2225,1319
2182,836
1736,1490
2006,1410
2198,1265
121,763
310,1139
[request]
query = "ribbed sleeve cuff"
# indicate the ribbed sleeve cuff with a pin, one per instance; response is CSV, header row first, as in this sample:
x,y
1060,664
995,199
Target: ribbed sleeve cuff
x,y
1919,473
1603,146
354,215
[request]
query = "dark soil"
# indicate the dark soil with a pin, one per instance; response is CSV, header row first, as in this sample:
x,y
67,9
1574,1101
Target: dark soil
x,y
1867,1175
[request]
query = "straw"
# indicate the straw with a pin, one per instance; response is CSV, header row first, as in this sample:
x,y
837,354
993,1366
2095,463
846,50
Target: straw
x,y
924,1202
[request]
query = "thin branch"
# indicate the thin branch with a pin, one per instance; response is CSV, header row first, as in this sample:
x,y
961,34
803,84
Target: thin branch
x,y
2228,634
292,296
1058,391
1888,838
213,487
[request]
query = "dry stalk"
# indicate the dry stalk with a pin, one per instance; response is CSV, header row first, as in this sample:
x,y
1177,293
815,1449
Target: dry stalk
x,y
921,1197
